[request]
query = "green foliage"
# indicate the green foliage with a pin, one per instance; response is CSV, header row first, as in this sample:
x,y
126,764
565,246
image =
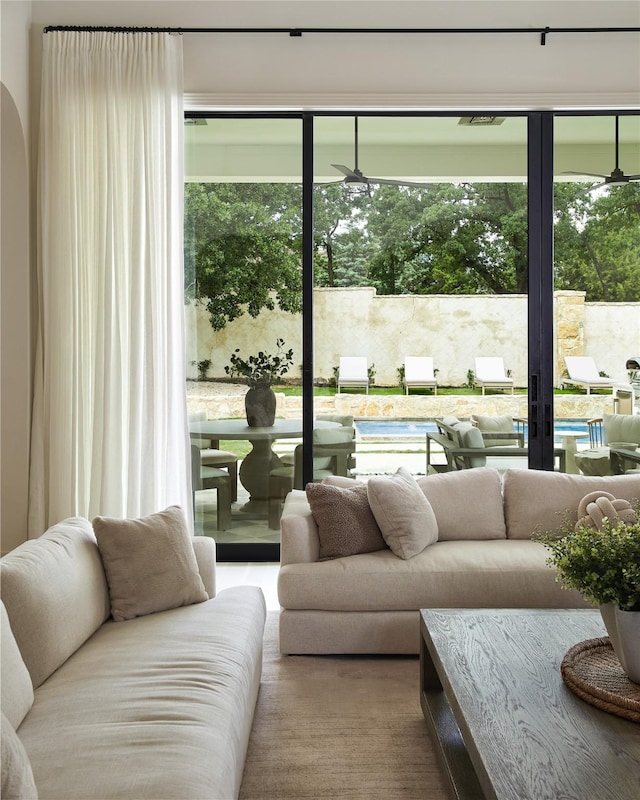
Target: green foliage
x,y
262,370
243,248
203,368
604,566
471,379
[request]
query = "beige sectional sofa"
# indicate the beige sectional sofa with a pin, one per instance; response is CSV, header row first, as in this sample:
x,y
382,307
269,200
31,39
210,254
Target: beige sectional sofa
x,y
156,706
483,557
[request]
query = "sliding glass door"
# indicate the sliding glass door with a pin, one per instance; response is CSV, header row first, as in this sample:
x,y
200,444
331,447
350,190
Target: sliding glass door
x,y
456,260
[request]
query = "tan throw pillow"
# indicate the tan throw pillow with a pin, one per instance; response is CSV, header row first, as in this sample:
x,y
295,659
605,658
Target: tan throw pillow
x,y
346,525
17,776
403,513
149,562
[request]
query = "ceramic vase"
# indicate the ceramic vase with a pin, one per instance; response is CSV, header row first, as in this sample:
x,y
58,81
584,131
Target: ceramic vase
x,y
260,407
623,628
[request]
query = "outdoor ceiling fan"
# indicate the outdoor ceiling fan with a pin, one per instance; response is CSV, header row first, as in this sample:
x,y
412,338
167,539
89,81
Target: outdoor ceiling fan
x,y
617,176
355,179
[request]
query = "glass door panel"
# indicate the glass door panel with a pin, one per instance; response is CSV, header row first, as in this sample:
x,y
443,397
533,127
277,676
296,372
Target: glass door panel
x,y
597,276
243,304
421,269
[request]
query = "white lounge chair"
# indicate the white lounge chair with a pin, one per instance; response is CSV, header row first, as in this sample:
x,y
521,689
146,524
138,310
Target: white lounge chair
x,y
490,373
583,372
418,372
353,371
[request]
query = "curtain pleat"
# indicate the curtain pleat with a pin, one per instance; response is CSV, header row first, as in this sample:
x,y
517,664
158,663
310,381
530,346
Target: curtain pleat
x,y
109,429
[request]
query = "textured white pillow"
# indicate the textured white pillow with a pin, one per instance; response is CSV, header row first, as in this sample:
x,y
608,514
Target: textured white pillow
x,y
403,513
150,563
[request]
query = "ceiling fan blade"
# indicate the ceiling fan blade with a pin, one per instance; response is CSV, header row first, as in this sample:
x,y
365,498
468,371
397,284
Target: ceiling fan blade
x,y
345,170
634,177
391,182
586,174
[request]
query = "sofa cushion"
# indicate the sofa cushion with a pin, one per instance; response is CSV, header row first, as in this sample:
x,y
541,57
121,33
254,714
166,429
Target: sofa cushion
x,y
17,775
536,501
467,503
17,689
159,706
149,562
487,574
346,524
403,513
55,592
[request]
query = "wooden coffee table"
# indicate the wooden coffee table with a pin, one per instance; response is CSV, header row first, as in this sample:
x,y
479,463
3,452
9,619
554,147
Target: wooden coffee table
x,y
506,726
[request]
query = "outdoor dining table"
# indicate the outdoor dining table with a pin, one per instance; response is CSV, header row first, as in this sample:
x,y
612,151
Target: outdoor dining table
x,y
619,456
258,463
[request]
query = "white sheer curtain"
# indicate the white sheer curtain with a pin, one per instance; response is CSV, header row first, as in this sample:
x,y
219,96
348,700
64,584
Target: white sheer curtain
x,y
109,420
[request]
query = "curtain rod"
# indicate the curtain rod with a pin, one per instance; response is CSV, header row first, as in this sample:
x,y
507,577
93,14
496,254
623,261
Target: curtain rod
x,y
296,32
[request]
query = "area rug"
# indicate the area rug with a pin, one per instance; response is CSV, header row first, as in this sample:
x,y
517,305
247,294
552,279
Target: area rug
x,y
347,727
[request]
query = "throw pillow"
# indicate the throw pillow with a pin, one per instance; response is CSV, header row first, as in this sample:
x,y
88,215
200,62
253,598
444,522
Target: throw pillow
x,y
17,776
346,525
150,563
403,513
17,689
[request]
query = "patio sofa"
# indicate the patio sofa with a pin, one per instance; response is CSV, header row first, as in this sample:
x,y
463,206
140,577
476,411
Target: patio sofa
x,y
155,706
482,557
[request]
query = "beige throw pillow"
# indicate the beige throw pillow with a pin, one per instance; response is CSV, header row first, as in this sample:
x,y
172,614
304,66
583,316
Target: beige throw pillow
x,y
17,776
149,562
403,513
16,686
346,525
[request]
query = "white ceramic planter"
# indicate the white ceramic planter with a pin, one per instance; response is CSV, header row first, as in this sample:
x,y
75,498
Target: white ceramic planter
x,y
623,628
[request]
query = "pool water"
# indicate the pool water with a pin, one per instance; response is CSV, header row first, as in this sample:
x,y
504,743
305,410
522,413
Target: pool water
x,y
417,428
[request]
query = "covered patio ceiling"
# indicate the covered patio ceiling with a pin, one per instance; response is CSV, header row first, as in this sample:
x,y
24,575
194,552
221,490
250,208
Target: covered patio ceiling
x,y
431,149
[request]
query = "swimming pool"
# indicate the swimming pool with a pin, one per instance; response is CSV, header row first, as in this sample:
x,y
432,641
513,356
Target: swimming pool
x,y
417,428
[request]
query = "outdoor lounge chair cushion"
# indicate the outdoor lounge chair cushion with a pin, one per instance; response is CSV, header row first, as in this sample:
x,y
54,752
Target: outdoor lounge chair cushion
x,y
403,513
470,436
621,428
150,563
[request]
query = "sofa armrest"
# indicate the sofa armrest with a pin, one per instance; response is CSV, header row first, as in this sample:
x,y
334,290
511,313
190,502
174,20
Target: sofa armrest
x,y
205,550
299,543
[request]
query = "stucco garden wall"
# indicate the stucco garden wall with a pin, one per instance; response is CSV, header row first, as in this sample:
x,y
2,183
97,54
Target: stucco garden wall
x,y
453,329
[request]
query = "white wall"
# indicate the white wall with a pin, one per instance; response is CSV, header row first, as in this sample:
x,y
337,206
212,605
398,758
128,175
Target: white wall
x,y
16,357
391,70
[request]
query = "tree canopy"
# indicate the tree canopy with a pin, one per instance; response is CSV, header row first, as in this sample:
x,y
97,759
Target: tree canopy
x,y
243,242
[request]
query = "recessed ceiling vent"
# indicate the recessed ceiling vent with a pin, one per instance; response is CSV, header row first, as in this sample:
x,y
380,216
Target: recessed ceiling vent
x,y
481,120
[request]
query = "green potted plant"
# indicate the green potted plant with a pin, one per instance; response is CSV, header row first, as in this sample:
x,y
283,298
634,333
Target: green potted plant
x,y
259,372
603,563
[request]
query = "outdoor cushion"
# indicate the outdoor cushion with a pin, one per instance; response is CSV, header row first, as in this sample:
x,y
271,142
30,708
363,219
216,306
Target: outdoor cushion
x,y
470,436
403,513
467,503
621,428
149,562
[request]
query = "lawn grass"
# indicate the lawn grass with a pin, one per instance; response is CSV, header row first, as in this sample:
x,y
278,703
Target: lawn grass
x,y
330,391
